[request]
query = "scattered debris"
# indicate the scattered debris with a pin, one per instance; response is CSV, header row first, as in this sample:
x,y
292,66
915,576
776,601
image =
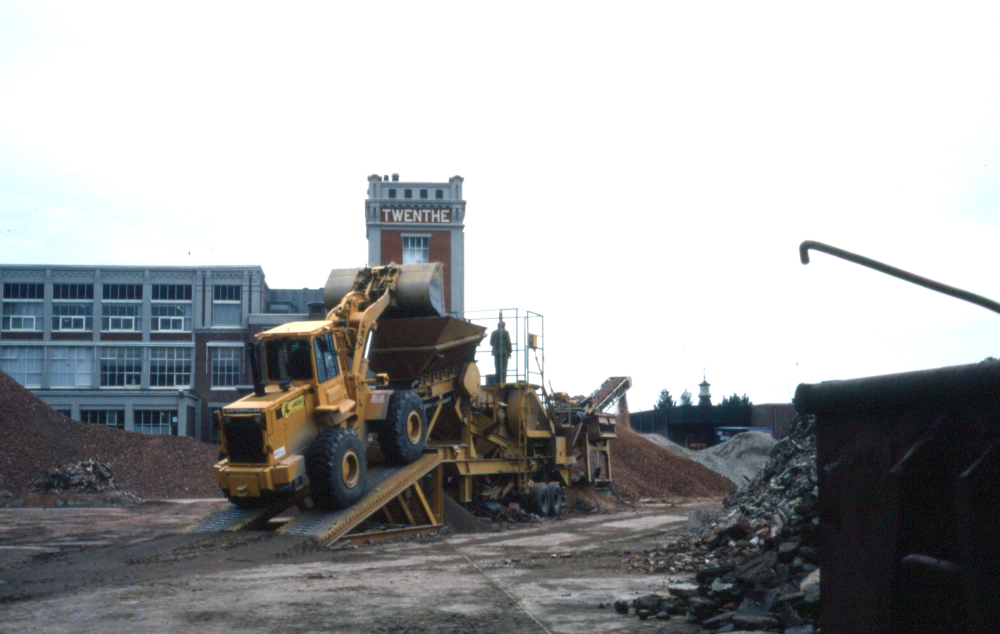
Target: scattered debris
x,y
755,564
502,513
88,476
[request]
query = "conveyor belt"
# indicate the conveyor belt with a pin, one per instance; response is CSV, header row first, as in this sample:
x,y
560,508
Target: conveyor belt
x,y
609,392
381,486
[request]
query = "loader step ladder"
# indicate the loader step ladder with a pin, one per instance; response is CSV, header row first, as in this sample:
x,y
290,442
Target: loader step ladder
x,y
414,510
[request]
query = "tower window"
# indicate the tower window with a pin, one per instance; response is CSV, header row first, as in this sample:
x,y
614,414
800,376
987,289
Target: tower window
x,y
423,193
439,194
392,193
416,250
407,193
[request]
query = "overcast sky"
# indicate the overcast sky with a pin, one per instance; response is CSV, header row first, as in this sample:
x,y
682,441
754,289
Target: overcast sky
x,y
639,173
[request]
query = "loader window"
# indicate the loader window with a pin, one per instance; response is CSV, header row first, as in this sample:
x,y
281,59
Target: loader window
x,y
288,359
326,362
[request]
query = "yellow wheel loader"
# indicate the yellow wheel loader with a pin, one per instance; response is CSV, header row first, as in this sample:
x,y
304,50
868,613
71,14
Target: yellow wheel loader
x,y
316,405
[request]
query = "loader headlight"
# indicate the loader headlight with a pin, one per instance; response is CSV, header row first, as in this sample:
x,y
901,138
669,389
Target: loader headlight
x,y
257,419
227,419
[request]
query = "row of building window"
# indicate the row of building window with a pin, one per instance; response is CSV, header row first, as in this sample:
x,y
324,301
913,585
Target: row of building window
x,y
122,292
408,193
118,366
161,422
115,316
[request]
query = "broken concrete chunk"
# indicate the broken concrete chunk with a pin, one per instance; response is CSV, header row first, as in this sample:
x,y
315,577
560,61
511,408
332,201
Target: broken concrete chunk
x,y
716,622
683,589
762,622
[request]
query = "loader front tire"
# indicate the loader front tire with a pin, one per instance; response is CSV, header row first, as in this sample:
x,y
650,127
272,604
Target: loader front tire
x,y
335,464
404,432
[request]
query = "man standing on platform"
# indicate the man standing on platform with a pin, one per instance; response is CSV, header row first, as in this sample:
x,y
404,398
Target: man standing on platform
x,y
500,342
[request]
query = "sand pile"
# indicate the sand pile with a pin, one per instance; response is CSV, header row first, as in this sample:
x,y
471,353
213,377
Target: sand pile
x,y
740,458
34,438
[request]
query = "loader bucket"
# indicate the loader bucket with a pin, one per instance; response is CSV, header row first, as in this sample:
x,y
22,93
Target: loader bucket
x,y
407,349
419,291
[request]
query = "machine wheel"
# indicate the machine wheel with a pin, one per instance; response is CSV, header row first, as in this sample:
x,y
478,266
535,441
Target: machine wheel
x,y
541,498
401,438
335,464
556,493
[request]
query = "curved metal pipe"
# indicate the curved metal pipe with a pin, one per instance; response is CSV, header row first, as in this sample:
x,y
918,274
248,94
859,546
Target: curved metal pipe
x,y
958,293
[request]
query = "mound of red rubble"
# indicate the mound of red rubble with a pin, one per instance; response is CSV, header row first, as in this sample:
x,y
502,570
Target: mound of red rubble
x,y
34,438
641,469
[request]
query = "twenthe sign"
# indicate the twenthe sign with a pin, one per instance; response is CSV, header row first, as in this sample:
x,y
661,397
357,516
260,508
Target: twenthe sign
x,y
404,214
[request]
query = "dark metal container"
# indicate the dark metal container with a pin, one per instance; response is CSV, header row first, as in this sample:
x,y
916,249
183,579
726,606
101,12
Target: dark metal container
x,y
909,499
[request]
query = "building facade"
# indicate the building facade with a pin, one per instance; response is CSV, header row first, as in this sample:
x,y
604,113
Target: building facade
x,y
149,349
415,223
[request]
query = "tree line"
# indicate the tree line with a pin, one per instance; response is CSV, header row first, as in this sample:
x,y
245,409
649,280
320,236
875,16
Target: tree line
x,y
666,400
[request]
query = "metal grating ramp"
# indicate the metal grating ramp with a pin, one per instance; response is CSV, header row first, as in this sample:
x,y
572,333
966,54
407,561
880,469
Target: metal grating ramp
x,y
381,486
232,519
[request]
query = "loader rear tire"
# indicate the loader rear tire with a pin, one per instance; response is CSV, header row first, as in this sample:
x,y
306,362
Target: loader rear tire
x,y
541,499
403,434
335,464
558,499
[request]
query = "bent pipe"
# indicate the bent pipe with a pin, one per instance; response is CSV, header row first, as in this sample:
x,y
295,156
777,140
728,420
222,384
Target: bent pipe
x,y
951,291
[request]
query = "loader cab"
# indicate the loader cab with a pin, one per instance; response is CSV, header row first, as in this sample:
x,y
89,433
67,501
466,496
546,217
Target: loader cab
x,y
288,359
299,353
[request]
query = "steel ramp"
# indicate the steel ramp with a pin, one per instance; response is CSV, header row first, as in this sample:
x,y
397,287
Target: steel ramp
x,y
236,519
382,485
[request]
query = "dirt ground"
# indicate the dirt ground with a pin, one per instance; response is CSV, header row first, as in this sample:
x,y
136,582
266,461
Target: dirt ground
x,y
134,569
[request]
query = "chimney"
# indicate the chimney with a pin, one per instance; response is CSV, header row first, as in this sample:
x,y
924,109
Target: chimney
x,y
395,177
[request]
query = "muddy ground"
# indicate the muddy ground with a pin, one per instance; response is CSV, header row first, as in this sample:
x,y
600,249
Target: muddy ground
x,y
135,570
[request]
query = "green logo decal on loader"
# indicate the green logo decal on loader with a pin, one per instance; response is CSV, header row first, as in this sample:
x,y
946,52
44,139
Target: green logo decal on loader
x,y
292,405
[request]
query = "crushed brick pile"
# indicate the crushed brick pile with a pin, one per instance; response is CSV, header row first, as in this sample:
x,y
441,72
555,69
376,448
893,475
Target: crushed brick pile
x,y
641,469
34,438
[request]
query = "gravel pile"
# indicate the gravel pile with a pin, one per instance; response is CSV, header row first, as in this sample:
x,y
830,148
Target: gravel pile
x,y
740,458
641,469
34,438
756,563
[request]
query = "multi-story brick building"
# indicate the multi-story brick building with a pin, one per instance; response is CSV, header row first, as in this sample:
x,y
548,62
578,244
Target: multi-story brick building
x,y
151,349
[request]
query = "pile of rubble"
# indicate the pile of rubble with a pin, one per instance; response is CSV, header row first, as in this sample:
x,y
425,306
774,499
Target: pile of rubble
x,y
740,458
756,562
35,438
641,469
87,477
